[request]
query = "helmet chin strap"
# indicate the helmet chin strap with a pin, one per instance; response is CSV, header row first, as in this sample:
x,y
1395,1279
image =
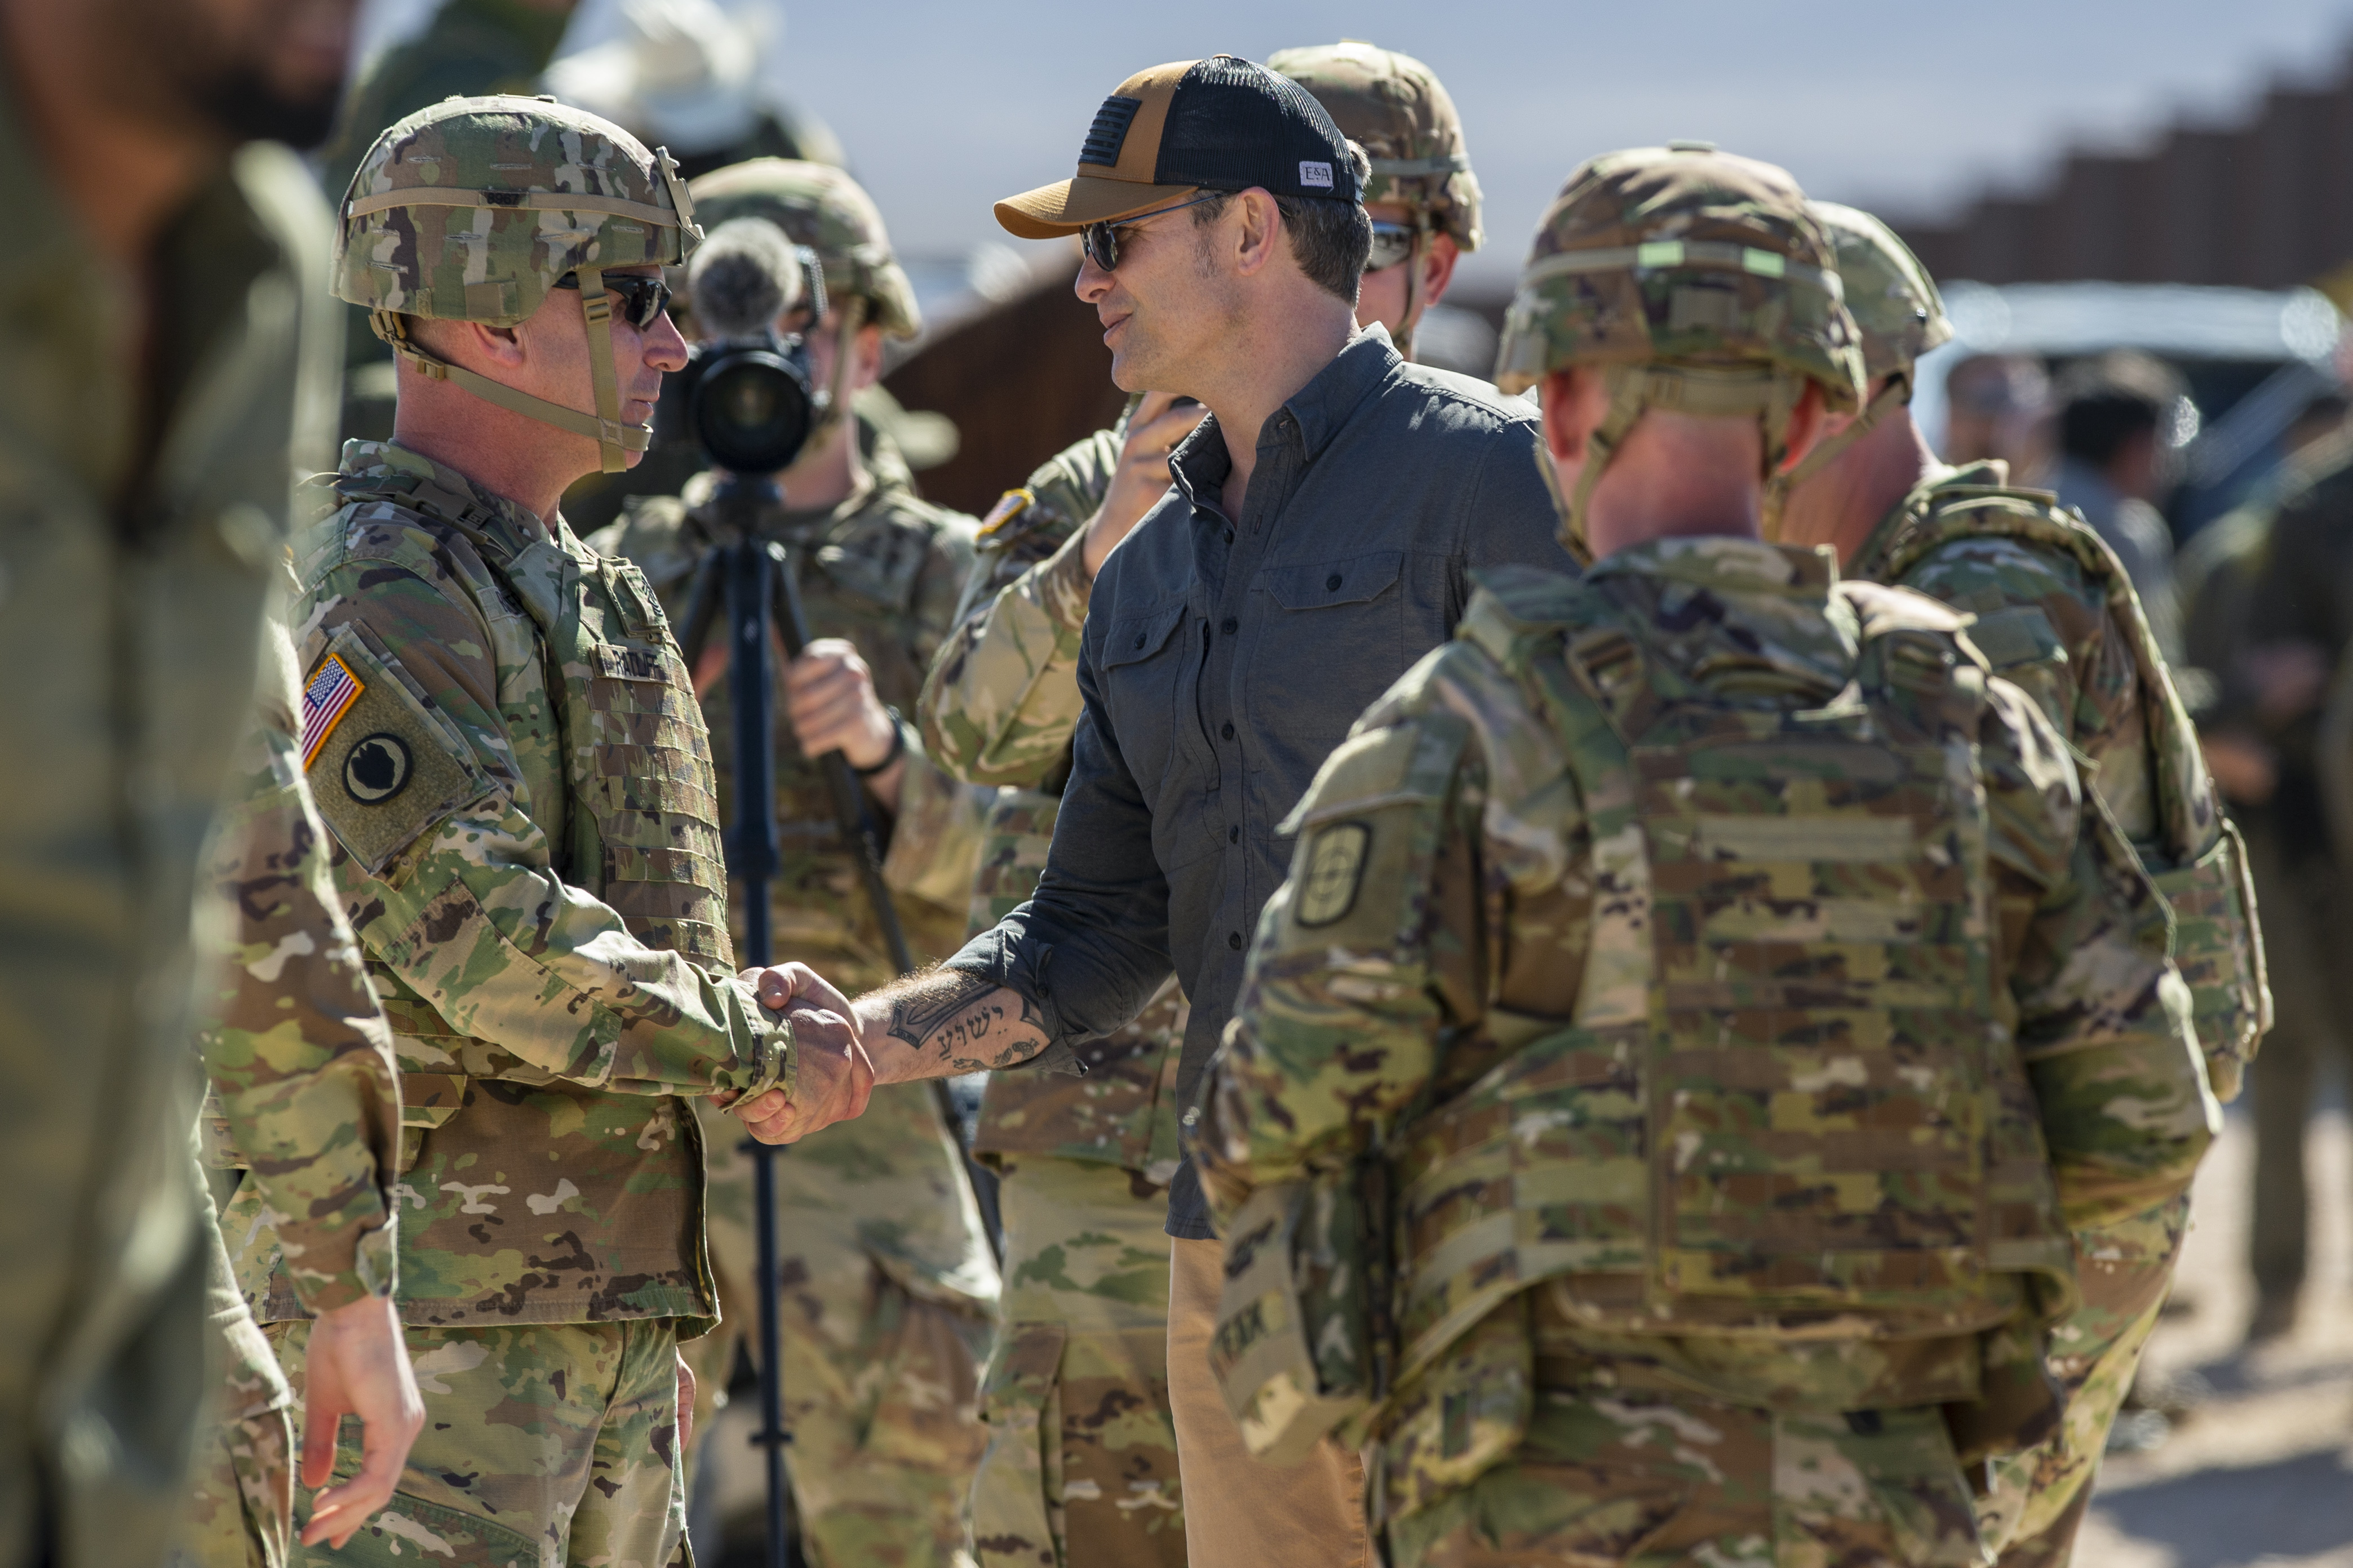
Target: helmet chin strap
x,y
837,394
1779,487
1414,303
615,441
1770,394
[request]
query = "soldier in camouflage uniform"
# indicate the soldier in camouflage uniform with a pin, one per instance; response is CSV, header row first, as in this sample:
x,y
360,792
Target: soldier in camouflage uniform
x,y
889,1283
1082,1460
1705,980
305,1104
170,357
2057,617
502,738
1422,197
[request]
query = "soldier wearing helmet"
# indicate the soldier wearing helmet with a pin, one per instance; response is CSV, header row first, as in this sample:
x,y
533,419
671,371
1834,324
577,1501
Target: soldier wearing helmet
x,y
1421,196
2057,617
502,738
880,1231
1639,1132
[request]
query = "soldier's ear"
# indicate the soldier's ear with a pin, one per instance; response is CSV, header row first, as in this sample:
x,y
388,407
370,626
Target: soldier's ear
x,y
1576,400
1808,426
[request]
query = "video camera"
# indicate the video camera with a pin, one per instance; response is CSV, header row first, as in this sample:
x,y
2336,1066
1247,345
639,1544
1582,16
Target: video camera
x,y
747,395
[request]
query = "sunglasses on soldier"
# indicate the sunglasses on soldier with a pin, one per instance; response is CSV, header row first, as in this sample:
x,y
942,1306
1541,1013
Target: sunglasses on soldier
x,y
643,299
1102,239
1392,243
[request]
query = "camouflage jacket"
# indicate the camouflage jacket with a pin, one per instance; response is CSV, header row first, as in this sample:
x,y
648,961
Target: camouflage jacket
x,y
999,707
146,456
2058,617
1002,700
501,738
881,570
1459,910
304,1089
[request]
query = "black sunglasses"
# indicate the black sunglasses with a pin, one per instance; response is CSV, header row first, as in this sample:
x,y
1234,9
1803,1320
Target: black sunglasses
x,y
643,299
1102,239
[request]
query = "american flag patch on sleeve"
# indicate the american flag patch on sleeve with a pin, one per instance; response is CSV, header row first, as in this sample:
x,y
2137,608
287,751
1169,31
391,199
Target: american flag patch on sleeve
x,y
326,698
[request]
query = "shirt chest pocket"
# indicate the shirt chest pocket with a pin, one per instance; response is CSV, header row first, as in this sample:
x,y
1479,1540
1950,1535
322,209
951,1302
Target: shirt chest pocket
x,y
1145,679
1334,639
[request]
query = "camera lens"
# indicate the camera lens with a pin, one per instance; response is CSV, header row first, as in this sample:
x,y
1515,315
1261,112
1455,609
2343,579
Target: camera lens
x,y
751,410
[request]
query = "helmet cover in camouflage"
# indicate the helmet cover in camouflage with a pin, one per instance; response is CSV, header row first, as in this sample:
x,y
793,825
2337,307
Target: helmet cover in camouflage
x,y
1898,317
1684,255
473,209
1394,106
820,207
1894,304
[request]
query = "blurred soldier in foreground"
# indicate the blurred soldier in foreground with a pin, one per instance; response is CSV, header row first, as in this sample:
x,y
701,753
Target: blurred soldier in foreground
x,y
1085,1163
2057,617
890,1285
166,362
502,738
305,1102
1704,985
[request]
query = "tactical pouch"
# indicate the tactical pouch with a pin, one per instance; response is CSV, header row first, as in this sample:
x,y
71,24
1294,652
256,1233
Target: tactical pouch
x,y
1297,1351
2219,949
1451,1422
2019,1402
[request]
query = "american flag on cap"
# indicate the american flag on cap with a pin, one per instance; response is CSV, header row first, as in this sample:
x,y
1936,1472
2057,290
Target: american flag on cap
x,y
327,697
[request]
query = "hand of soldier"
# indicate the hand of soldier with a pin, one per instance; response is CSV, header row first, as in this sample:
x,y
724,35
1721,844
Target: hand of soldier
x,y
357,1364
831,702
1142,478
834,1077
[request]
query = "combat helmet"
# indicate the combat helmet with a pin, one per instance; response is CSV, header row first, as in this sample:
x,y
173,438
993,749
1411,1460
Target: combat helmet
x,y
1394,106
1695,280
473,209
1898,313
820,207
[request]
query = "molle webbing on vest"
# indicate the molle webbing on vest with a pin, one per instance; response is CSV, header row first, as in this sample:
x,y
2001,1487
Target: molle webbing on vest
x,y
1786,1105
640,763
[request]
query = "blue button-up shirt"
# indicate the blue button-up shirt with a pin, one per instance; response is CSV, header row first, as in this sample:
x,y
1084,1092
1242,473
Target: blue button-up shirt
x,y
1223,660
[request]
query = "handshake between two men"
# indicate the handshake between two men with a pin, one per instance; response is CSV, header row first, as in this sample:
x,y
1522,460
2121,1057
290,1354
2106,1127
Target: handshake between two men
x,y
938,1023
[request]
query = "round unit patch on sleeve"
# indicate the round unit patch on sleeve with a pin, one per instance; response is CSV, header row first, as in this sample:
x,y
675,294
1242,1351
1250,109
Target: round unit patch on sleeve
x,y
1332,871
377,768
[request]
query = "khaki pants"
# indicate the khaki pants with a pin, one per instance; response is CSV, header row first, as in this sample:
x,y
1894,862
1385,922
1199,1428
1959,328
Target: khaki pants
x,y
1245,1514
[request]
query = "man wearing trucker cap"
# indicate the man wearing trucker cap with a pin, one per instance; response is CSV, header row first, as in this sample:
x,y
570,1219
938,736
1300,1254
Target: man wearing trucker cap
x,y
1320,538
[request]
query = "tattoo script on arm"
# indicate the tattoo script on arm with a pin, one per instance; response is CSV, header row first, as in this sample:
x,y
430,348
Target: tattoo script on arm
x,y
970,1025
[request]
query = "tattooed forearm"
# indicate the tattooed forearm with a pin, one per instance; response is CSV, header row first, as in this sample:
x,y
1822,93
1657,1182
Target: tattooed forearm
x,y
954,1022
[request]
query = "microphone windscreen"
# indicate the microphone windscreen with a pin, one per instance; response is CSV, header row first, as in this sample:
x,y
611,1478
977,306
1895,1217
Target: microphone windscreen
x,y
742,278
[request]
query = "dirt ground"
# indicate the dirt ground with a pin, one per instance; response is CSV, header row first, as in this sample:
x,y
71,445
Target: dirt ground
x,y
2262,1471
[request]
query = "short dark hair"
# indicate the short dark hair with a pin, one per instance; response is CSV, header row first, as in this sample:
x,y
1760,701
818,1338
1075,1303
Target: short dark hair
x,y
2109,401
1329,239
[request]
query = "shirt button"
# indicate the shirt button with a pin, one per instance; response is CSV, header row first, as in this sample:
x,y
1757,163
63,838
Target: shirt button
x,y
1331,582
1139,639
1229,536
1234,939
1228,731
1229,625
1233,835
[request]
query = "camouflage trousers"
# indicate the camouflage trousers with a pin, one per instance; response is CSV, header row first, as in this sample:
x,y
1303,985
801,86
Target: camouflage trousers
x,y
2126,1271
544,1444
1645,1479
882,1358
1080,1469
242,1495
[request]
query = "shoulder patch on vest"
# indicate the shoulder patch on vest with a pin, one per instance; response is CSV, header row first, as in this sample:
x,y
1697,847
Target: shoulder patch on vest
x,y
388,768
1331,872
2019,634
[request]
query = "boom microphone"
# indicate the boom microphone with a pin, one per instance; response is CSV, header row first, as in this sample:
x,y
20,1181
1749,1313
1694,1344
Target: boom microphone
x,y
743,275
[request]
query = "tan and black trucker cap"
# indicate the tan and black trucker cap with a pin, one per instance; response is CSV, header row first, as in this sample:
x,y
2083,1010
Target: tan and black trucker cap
x,y
1223,124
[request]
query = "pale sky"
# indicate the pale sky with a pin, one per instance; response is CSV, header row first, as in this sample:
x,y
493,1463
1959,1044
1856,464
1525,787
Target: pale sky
x,y
945,105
